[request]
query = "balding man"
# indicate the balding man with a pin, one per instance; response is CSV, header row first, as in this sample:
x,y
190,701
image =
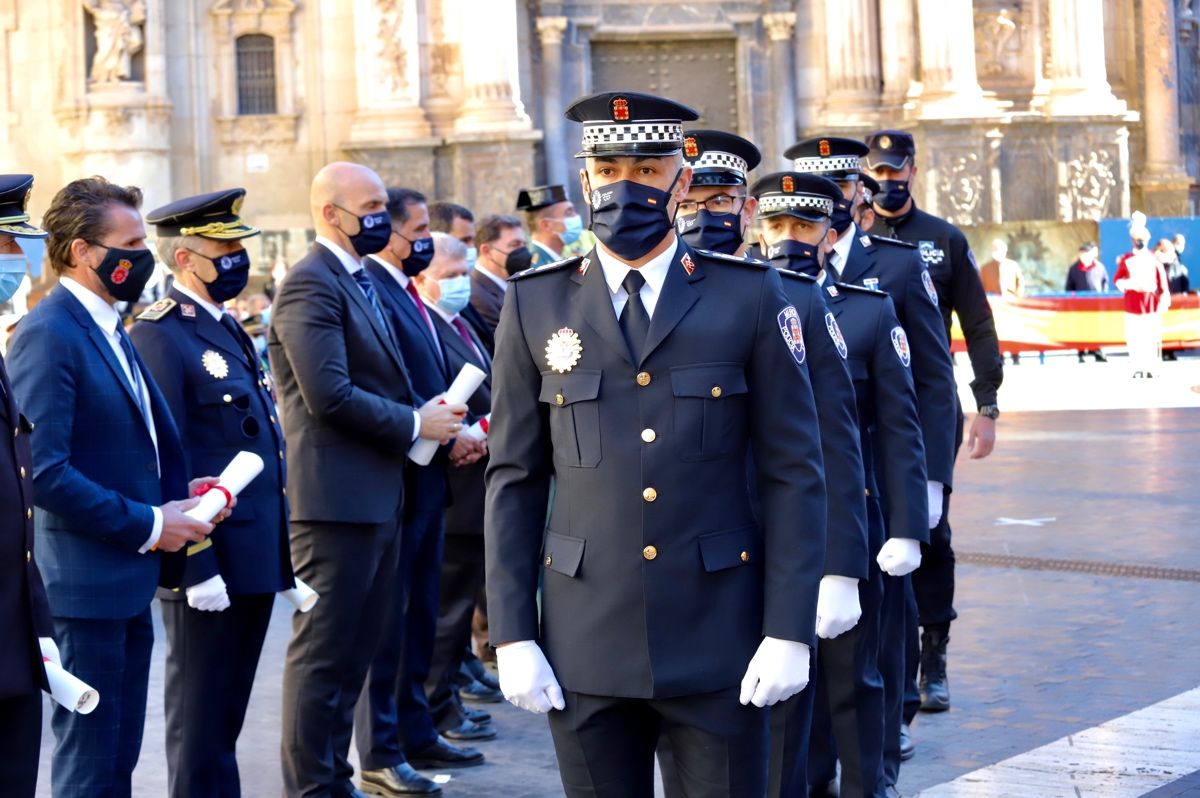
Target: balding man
x,y
349,423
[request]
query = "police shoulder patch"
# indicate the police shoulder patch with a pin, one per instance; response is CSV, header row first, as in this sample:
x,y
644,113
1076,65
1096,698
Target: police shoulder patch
x,y
158,310
788,274
835,332
927,281
893,241
721,256
900,344
789,326
557,265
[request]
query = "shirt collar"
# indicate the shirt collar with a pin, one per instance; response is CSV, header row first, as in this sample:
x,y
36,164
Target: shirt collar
x,y
216,311
446,317
397,274
842,247
350,263
655,271
555,255
104,314
497,280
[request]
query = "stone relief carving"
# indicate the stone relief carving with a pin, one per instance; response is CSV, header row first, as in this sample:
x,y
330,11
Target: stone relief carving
x,y
443,54
960,185
1089,182
999,30
393,60
118,34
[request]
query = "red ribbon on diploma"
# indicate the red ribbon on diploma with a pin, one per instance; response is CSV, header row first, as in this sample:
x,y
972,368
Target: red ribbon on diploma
x,y
203,489
483,425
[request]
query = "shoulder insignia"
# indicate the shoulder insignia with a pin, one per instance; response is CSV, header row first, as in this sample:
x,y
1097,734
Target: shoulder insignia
x,y
872,283
865,240
900,344
835,332
793,337
721,256
788,274
188,311
893,241
159,309
549,267
859,289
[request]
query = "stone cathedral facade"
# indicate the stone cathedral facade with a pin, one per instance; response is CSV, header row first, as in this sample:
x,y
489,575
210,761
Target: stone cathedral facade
x,y
1024,109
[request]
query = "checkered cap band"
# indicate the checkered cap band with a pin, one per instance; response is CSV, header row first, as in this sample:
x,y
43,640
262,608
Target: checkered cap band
x,y
661,132
721,160
838,163
775,203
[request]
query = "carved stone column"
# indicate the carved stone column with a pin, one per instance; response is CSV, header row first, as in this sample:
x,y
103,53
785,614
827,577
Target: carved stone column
x,y
1163,184
897,49
950,84
779,27
388,70
1078,79
492,101
554,146
854,82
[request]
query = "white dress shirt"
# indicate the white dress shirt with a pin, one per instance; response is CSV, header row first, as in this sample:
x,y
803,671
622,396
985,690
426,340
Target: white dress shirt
x,y
352,266
106,318
500,281
841,249
655,273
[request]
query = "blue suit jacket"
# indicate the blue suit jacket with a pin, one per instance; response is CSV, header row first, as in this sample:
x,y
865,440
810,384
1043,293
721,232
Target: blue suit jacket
x,y
95,477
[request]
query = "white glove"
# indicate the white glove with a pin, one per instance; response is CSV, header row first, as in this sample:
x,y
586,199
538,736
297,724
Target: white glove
x,y
838,609
935,492
50,650
777,671
526,678
209,596
899,556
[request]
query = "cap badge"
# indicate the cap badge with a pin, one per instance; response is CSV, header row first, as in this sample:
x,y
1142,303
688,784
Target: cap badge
x,y
214,364
121,273
787,184
236,208
691,149
620,109
823,148
689,265
885,142
563,350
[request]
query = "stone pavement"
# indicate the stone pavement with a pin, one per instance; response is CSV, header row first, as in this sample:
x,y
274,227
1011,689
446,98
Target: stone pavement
x,y
1048,643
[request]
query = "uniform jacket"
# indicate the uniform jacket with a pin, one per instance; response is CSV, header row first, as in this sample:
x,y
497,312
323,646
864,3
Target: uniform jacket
x,y
222,404
846,551
879,358
95,477
1093,278
347,401
945,251
896,269
542,256
658,579
487,298
24,611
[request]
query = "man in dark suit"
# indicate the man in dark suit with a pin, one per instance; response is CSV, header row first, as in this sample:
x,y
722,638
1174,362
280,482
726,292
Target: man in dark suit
x,y
502,252
24,612
641,377
221,400
107,463
350,417
459,223
394,729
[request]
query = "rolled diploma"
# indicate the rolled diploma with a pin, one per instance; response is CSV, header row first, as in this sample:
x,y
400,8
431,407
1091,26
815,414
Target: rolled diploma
x,y
465,384
69,690
302,597
242,469
479,430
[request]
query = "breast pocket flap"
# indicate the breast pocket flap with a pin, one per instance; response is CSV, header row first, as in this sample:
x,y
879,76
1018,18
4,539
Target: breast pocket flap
x,y
729,548
708,382
561,390
562,553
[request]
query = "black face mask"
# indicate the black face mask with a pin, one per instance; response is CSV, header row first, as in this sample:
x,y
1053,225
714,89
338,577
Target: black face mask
x,y
518,260
629,218
233,272
125,272
420,255
892,195
374,230
795,256
1138,244
718,232
842,217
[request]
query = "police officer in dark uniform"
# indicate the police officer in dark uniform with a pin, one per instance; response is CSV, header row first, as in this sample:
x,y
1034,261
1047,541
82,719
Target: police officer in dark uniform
x,y
957,287
718,210
222,403
552,221
797,235
641,377
24,611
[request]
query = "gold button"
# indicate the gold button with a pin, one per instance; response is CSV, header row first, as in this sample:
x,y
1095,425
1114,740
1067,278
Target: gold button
x,y
280,454
266,382
649,552
643,378
22,472
867,492
16,431
28,513
648,435
716,392
649,494
745,556
28,555
284,491
559,399
227,398
549,561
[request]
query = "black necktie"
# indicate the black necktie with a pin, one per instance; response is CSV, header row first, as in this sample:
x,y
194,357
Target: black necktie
x,y
634,321
135,374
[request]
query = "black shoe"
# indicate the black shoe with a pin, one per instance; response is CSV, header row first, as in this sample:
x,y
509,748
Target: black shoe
x,y
829,789
480,693
474,715
1100,358
935,688
482,675
470,730
1080,356
398,780
908,749
1169,355
440,755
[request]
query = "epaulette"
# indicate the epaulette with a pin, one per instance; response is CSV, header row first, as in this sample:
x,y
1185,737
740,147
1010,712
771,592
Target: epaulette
x,y
721,256
859,289
886,240
788,274
158,310
543,269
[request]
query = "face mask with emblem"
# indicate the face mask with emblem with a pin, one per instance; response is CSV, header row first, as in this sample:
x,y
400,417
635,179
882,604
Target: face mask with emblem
x,y
843,216
455,294
374,230
794,256
892,195
233,272
717,232
125,272
12,272
420,255
630,218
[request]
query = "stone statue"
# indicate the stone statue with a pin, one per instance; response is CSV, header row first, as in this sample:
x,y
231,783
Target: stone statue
x,y
118,37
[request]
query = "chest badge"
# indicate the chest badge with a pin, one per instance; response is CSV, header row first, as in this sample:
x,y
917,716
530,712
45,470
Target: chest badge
x,y
214,364
872,283
563,350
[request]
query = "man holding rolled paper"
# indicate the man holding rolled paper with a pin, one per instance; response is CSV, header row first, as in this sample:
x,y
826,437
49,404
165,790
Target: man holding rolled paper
x,y
350,418
110,478
220,398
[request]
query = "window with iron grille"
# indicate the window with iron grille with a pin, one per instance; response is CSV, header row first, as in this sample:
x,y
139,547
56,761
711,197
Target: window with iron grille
x,y
255,74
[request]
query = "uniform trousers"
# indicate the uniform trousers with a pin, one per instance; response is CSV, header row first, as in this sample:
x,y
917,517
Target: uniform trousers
x,y
462,578
353,568
211,661
20,744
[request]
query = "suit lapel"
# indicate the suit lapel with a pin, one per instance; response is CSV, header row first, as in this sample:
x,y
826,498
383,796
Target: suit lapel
x,y
594,302
403,301
210,329
858,262
493,292
360,299
678,296
454,342
100,341
833,302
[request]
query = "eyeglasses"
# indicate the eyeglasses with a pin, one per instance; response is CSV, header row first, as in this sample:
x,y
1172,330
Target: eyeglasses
x,y
720,203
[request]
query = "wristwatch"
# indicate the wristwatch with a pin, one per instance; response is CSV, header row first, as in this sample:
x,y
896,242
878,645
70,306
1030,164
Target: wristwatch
x,y
989,411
